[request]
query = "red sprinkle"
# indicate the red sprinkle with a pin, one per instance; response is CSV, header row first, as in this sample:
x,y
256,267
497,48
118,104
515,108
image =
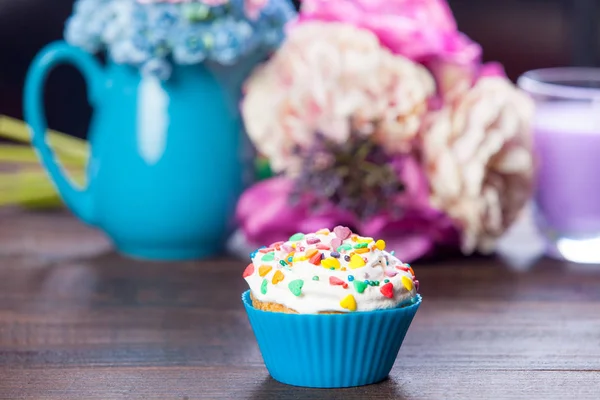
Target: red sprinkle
x,y
276,244
323,247
315,259
248,271
267,250
337,282
387,290
402,268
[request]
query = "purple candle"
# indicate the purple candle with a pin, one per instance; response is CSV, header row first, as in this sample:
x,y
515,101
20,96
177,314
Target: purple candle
x,y
567,142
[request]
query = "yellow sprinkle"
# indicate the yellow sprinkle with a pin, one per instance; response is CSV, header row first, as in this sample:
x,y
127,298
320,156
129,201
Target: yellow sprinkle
x,y
408,283
263,270
300,258
323,232
364,240
362,251
380,244
277,277
349,303
357,261
290,255
330,262
294,245
343,269
354,238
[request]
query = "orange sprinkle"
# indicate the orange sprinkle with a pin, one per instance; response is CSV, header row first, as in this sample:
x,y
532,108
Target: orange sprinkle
x,y
411,271
277,277
362,251
311,252
264,269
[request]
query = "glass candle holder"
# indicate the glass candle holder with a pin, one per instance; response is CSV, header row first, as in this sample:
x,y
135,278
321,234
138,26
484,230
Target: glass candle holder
x,y
567,142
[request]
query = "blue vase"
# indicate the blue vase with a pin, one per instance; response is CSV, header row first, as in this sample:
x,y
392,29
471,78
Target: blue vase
x,y
166,167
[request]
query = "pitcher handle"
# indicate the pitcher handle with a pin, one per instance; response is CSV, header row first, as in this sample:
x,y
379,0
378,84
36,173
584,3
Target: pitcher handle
x,y
78,200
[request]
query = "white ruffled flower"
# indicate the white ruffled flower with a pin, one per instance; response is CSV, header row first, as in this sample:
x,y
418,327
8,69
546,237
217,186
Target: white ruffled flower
x,y
479,161
333,78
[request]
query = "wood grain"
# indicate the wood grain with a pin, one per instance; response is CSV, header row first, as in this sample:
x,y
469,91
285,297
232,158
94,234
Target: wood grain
x,y
78,321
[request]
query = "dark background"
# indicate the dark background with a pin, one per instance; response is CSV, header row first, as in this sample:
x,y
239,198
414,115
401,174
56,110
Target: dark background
x,y
522,34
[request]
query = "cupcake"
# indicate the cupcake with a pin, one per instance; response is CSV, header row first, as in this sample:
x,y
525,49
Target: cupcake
x,y
329,309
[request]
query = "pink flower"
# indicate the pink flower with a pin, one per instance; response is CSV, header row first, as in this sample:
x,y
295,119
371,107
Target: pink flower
x,y
417,29
266,215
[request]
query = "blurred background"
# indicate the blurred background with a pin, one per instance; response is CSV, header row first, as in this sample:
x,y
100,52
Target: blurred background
x,y
522,34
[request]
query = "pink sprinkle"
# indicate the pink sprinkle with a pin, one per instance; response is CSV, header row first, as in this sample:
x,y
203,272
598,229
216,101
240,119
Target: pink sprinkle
x,y
417,285
323,247
287,248
391,273
301,248
402,268
313,240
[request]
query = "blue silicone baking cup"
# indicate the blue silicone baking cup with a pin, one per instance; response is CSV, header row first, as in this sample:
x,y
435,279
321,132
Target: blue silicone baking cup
x,y
330,350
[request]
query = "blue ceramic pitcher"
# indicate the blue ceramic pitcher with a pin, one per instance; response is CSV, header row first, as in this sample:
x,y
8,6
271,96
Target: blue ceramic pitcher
x,y
165,168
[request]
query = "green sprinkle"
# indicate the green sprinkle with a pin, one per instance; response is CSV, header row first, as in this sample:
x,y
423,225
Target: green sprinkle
x,y
315,278
263,286
332,268
344,247
359,286
297,237
296,287
386,281
393,252
360,245
376,283
268,257
283,263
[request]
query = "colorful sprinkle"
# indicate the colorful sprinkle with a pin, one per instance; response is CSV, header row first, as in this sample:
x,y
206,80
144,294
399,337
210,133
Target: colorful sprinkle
x,y
393,252
283,263
263,286
300,258
357,261
335,254
313,240
264,269
360,245
253,254
362,250
296,287
359,286
386,280
248,271
391,273
365,240
387,290
337,282
268,257
290,260
402,268
286,247
380,244
277,277
376,283
267,250
323,247
350,278
408,283
349,303
276,245
323,232
335,243
315,278
347,257
411,270
331,262
296,237
316,259
342,232
311,252
344,247
417,285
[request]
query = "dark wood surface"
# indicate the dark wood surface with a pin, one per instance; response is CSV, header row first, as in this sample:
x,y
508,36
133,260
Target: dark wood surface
x,y
78,321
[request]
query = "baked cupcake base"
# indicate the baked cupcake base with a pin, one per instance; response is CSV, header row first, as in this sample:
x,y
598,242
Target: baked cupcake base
x,y
328,351
276,307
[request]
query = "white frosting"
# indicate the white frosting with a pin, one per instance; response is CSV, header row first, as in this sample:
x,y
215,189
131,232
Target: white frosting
x,y
321,295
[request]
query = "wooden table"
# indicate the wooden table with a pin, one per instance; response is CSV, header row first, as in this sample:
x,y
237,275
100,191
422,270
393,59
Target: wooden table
x,y
78,321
